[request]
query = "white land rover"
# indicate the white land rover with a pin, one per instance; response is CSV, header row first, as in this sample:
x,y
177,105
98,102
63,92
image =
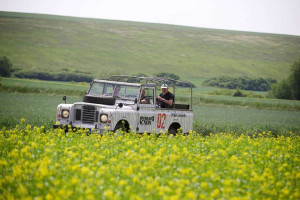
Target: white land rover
x,y
115,104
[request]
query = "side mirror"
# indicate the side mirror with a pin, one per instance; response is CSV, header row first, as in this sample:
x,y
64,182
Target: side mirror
x,y
65,99
120,105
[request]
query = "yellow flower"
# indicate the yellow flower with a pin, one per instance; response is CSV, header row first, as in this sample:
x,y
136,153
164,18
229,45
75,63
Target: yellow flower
x,y
74,181
3,162
122,182
22,191
285,191
234,158
204,185
40,185
17,171
173,197
215,193
85,170
135,197
108,194
49,197
129,170
190,195
143,151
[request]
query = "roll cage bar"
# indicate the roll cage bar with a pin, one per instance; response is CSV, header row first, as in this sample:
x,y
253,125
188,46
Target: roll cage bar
x,y
171,82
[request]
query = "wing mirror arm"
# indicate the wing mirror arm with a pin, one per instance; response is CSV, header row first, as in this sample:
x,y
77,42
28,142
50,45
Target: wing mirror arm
x,y
65,99
120,105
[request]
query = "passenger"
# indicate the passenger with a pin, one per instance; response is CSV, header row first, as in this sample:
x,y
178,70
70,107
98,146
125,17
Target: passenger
x,y
116,91
166,98
143,98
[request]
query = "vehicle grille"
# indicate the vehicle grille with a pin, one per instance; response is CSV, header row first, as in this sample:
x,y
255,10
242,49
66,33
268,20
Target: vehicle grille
x,y
88,114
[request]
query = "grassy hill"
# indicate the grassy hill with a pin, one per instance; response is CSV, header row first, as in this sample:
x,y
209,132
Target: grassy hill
x,y
105,47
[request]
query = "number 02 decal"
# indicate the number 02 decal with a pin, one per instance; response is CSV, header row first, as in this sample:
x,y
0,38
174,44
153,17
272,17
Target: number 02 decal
x,y
161,120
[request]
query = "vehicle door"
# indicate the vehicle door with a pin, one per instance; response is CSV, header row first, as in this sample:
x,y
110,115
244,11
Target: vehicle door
x,y
146,112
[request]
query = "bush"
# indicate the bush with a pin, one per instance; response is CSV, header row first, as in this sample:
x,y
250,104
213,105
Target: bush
x,y
167,75
235,93
5,67
244,83
288,88
238,93
172,76
140,75
295,80
281,90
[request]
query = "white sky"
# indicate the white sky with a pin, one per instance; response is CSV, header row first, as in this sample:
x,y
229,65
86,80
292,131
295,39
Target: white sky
x,y
269,16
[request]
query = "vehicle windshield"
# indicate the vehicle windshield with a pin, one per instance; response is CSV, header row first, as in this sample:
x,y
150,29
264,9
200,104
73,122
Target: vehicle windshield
x,y
114,90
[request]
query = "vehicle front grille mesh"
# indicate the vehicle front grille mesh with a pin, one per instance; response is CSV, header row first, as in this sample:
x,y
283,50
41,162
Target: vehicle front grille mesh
x,y
88,114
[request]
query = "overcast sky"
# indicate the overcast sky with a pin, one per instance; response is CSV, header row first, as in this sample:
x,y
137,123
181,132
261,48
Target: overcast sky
x,y
269,16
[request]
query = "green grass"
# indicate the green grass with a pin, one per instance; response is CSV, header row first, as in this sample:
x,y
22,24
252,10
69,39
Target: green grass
x,y
37,109
261,103
44,87
16,82
182,95
104,47
40,110
247,120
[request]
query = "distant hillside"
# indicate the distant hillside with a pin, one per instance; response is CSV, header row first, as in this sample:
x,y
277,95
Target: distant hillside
x,y
105,47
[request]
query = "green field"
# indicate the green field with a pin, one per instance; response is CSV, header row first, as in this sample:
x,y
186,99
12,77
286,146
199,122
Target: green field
x,y
212,113
105,47
31,83
44,87
37,109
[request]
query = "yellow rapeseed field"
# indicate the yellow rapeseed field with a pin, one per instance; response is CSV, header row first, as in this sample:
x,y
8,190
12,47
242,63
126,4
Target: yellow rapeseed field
x,y
38,164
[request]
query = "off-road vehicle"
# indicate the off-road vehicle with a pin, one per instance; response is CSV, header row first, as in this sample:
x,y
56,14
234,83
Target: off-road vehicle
x,y
115,103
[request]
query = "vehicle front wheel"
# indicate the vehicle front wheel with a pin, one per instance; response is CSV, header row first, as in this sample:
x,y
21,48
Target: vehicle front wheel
x,y
120,128
172,131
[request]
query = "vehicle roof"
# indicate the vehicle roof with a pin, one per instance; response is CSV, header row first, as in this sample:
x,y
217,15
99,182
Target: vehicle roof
x,y
117,82
149,80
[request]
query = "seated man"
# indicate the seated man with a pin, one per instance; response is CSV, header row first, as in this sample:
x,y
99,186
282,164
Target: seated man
x,y
143,98
166,98
116,91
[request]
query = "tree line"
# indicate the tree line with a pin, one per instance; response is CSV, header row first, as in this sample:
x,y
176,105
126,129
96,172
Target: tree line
x,y
243,83
6,70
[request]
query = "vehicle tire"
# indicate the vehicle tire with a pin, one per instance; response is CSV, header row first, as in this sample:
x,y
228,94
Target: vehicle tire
x,y
172,131
120,128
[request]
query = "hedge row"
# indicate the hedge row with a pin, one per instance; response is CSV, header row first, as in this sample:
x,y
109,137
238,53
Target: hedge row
x,y
65,76
244,83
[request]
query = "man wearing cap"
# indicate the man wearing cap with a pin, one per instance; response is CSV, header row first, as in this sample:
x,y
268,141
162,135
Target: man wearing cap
x,y
166,98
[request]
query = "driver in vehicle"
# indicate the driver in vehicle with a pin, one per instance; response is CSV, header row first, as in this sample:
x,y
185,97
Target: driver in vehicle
x,y
143,99
166,98
116,91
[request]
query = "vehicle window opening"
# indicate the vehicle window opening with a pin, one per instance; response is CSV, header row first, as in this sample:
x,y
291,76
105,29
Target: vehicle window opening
x,y
147,95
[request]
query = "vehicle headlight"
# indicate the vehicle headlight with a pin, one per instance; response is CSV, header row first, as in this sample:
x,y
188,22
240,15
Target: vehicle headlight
x,y
65,113
103,118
